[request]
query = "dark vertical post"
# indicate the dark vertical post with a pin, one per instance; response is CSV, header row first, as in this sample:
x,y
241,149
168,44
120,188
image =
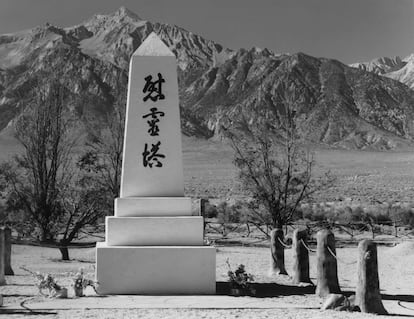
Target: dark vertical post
x,y
368,296
2,253
300,257
277,252
8,251
327,271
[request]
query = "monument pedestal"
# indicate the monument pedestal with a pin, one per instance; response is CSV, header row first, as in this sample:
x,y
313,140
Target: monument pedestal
x,y
152,206
154,231
156,270
155,254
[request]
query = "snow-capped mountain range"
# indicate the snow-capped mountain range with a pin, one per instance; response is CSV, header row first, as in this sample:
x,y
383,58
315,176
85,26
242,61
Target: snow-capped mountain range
x,y
363,106
395,68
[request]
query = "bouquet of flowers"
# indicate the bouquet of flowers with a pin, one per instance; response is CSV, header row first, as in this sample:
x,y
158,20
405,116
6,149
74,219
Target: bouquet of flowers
x,y
240,280
46,281
80,283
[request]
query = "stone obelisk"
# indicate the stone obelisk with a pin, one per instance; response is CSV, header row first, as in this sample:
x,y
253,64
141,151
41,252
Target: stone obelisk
x,y
153,243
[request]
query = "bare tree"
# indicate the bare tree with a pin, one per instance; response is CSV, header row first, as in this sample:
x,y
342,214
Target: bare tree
x,y
36,180
104,154
43,182
275,170
82,204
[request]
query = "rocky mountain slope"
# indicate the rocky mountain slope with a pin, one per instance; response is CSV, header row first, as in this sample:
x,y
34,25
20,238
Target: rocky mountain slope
x,y
406,73
381,65
395,68
92,57
334,104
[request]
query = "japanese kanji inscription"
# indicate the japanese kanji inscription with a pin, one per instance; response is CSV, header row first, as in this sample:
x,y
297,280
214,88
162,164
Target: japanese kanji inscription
x,y
152,162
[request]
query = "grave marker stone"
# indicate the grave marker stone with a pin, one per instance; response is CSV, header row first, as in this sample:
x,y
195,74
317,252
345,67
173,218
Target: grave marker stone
x,y
368,293
327,268
2,259
8,270
300,257
277,253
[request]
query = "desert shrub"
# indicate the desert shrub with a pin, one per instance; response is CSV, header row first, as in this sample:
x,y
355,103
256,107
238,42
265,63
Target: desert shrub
x,y
209,210
376,215
349,215
367,216
243,211
19,221
297,215
316,213
227,214
382,218
358,213
402,216
332,214
307,212
320,213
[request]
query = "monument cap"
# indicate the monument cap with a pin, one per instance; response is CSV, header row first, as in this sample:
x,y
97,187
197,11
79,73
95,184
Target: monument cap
x,y
153,46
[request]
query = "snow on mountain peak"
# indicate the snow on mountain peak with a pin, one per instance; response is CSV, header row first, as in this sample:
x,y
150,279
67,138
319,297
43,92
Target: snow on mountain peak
x,y
125,12
409,58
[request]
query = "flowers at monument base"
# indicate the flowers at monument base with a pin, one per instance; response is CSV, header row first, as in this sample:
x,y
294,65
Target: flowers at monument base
x,y
54,290
240,281
47,282
80,283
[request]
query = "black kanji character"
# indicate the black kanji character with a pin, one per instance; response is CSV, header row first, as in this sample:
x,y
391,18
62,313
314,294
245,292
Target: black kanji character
x,y
151,157
153,130
154,89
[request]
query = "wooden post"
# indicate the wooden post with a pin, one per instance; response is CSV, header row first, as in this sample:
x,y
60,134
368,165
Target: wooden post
x,y
327,271
7,254
277,252
368,296
300,257
202,207
2,255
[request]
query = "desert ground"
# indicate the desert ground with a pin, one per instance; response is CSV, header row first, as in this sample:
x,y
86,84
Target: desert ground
x,y
395,272
362,177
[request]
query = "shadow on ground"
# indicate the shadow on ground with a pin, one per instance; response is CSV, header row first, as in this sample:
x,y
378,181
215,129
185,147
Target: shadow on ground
x,y
405,298
264,290
25,312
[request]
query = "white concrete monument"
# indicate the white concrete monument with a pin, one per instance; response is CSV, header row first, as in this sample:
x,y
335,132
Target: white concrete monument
x,y
153,244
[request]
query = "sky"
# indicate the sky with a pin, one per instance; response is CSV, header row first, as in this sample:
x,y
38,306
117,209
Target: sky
x,y
347,30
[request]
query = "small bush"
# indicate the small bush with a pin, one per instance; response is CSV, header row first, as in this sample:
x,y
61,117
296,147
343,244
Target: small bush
x,y
403,216
319,213
227,214
210,210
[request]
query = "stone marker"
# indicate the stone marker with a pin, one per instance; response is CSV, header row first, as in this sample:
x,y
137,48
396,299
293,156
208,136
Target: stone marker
x,y
7,255
153,244
300,257
336,302
327,269
2,254
277,251
368,296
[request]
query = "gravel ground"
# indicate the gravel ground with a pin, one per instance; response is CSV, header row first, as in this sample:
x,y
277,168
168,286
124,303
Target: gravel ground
x,y
395,270
203,314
